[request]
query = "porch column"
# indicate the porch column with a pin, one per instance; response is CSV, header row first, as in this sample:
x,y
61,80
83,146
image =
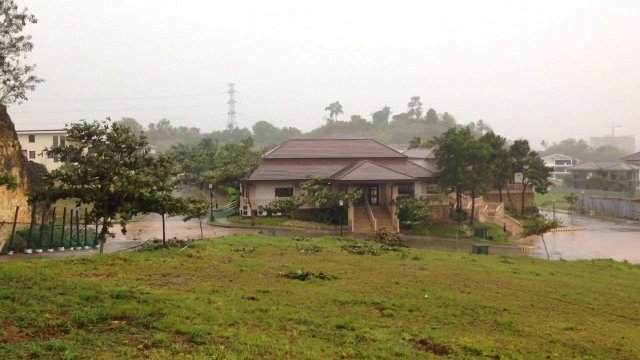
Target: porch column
x,y
350,210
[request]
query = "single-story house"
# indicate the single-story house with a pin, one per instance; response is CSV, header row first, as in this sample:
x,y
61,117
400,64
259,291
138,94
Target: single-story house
x,y
611,170
380,171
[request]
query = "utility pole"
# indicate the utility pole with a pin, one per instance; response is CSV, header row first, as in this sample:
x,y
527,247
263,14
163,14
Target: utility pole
x,y
232,121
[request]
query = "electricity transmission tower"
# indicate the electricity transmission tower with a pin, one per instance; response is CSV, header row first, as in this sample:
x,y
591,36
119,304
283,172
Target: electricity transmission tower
x,y
232,121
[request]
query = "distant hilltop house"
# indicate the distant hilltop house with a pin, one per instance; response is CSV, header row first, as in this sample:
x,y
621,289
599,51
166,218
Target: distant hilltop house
x,y
34,142
626,170
381,172
560,164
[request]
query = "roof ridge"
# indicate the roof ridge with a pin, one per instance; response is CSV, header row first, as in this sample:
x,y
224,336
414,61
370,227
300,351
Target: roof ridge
x,y
360,163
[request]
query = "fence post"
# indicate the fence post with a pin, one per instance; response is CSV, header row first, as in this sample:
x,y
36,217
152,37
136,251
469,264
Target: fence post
x,y
41,233
13,231
29,250
95,238
64,223
86,214
77,211
53,225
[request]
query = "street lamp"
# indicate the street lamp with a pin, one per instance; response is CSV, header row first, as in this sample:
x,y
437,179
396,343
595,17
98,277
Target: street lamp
x,y
341,203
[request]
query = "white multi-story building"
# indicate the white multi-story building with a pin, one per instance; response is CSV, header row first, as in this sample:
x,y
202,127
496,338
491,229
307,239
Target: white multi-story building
x,y
560,164
34,142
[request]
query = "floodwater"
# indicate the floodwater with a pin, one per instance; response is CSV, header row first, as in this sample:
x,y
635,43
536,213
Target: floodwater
x,y
601,239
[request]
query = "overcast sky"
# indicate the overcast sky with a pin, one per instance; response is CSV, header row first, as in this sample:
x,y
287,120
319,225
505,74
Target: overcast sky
x,y
531,69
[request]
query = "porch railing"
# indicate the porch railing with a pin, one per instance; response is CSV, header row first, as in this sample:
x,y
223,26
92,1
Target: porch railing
x,y
374,222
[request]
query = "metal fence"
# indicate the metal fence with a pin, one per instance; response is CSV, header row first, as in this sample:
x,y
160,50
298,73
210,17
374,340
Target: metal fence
x,y
49,230
622,208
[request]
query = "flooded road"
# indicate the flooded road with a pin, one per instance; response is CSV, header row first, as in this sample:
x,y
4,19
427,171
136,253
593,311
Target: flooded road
x,y
601,239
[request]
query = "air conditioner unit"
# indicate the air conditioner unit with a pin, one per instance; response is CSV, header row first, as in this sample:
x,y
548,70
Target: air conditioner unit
x,y
245,213
245,207
262,211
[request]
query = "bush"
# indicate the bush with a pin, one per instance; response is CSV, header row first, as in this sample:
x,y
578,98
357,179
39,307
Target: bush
x,y
387,237
567,180
411,211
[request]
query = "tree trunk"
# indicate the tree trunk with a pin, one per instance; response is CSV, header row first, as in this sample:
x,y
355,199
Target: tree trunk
x,y
200,223
103,234
510,199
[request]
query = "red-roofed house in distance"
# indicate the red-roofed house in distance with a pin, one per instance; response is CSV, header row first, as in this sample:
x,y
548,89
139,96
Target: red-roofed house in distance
x,y
381,172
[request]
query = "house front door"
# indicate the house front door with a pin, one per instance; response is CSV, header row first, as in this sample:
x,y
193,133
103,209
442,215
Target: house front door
x,y
374,196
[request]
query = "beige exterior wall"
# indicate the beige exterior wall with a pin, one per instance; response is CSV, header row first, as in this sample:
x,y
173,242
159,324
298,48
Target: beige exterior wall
x,y
34,150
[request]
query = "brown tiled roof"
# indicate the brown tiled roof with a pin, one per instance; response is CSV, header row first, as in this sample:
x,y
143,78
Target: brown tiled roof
x,y
297,169
366,170
420,153
332,149
635,157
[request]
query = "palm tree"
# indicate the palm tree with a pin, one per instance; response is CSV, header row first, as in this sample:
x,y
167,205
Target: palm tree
x,y
334,110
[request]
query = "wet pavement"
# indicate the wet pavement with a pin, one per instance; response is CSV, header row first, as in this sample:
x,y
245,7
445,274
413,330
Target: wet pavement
x,y
600,239
138,232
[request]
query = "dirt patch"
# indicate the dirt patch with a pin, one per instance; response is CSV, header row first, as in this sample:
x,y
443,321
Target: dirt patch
x,y
433,347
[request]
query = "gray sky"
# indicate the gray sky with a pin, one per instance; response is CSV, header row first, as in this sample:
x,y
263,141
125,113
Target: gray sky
x,y
531,69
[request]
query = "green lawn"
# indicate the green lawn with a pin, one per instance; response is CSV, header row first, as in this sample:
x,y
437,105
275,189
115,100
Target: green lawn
x,y
283,221
228,299
557,194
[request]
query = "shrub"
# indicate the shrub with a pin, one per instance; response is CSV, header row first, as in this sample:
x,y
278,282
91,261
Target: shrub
x,y
386,237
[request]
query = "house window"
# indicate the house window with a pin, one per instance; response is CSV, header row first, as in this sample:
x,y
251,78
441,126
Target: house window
x,y
32,138
63,140
55,140
32,154
284,192
91,150
405,190
24,153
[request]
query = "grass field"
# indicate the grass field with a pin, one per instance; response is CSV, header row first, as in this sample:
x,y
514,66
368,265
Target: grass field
x,y
228,299
283,221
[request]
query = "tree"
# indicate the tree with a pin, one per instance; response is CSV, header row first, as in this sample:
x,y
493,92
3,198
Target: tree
x,y
499,161
415,142
132,124
431,117
571,198
194,162
411,211
381,117
234,162
16,78
415,108
452,160
535,175
107,165
286,206
317,193
8,180
539,225
196,208
334,109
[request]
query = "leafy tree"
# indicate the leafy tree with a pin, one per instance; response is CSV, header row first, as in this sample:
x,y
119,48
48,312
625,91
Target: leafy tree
x,y
571,198
480,177
415,142
535,175
431,117
132,124
8,180
498,162
16,78
286,206
334,109
195,162
453,162
448,120
411,211
415,108
539,225
196,208
381,117
234,162
108,166
317,193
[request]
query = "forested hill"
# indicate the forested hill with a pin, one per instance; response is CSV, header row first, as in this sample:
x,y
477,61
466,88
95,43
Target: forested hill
x,y
403,128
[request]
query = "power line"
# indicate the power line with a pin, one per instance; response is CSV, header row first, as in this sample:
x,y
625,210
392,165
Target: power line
x,y
108,110
120,97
